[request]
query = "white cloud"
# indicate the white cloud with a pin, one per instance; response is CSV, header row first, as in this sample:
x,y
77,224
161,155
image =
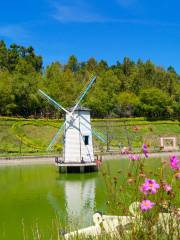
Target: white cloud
x,y
75,12
79,12
14,32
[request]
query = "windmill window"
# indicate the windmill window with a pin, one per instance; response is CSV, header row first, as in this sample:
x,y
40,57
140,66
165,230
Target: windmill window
x,y
86,140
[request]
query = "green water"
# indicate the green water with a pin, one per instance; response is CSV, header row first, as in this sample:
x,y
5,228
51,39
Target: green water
x,y
36,196
32,196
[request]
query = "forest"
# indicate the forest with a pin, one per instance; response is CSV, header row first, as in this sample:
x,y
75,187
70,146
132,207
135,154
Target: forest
x,y
125,89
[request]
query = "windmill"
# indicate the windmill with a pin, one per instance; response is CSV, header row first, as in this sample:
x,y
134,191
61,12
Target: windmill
x,y
78,146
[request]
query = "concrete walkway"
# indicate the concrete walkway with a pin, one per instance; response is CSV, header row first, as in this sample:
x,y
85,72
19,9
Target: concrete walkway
x,y
115,156
32,160
27,160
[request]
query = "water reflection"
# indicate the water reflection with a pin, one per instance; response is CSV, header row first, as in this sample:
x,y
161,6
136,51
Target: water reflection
x,y
79,191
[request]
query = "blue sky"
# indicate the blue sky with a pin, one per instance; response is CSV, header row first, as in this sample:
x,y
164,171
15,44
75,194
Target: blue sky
x,y
104,29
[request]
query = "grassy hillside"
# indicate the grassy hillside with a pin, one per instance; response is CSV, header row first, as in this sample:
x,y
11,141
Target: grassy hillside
x,y
32,136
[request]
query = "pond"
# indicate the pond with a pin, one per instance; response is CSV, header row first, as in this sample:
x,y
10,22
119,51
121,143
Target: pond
x,y
34,197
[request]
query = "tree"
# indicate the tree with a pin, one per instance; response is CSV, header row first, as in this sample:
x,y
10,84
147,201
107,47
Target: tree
x,y
127,66
126,103
91,65
102,97
125,88
3,55
72,64
7,103
25,89
102,66
155,103
13,57
10,57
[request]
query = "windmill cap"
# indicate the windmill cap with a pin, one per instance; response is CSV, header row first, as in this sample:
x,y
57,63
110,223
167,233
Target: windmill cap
x,y
79,108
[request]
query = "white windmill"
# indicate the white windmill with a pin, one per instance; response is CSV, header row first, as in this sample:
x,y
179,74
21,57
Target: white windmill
x,y
78,151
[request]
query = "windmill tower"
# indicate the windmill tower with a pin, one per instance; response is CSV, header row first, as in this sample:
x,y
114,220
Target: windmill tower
x,y
78,154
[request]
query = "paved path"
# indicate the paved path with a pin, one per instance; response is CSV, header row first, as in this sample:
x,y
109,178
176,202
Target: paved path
x,y
121,156
32,160
27,160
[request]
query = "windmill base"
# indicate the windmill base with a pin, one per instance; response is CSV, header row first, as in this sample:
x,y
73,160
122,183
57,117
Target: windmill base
x,y
77,167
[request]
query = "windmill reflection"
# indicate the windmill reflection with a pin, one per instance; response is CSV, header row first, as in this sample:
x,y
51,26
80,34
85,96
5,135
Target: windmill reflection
x,y
80,200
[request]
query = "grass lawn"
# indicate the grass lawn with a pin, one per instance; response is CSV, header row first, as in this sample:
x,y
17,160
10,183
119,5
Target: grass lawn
x,y
30,136
137,134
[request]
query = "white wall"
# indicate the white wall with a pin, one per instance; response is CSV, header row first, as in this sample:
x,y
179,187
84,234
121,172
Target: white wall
x,y
74,148
85,129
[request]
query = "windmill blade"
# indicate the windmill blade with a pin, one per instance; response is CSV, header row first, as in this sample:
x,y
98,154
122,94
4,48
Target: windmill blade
x,y
84,93
96,132
52,101
99,135
55,137
58,132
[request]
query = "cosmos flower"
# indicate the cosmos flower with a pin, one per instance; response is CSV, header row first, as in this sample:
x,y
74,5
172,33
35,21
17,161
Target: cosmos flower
x,y
145,205
175,163
150,186
145,150
134,157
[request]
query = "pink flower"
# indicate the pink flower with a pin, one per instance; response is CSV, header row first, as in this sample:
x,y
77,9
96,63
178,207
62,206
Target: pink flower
x,y
149,187
145,205
125,150
134,157
167,187
145,150
175,163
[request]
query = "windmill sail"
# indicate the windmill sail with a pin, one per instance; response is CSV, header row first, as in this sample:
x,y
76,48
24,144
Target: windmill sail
x,y
84,93
58,132
52,101
99,135
55,137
